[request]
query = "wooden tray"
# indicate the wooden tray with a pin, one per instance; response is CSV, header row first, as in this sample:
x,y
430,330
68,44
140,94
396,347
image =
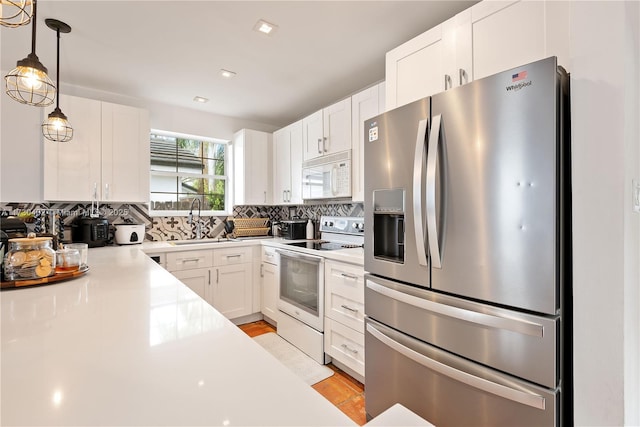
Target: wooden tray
x,y
58,277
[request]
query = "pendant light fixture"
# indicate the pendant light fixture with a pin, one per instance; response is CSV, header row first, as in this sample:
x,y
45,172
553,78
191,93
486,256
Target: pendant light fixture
x,y
29,83
57,128
15,13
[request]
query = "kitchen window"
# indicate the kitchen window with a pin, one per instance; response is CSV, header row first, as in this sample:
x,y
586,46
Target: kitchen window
x,y
185,168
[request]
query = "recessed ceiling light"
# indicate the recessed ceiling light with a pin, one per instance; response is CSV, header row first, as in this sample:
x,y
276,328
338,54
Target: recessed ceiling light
x,y
265,27
227,74
200,99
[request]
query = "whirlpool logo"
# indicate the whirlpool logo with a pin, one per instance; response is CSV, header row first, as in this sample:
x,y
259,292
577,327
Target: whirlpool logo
x,y
518,77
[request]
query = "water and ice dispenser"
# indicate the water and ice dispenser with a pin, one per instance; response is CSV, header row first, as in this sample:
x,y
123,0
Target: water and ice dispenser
x,y
388,225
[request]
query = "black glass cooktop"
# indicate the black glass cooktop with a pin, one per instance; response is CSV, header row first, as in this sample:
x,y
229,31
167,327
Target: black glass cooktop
x,y
324,245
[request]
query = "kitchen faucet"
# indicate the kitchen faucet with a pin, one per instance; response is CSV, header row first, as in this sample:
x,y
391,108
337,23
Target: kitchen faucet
x,y
190,220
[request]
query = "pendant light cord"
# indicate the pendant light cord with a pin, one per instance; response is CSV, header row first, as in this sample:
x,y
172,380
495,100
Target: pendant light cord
x,y
33,28
58,69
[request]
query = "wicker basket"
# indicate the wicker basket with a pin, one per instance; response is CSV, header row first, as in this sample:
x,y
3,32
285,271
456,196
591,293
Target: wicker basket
x,y
250,222
246,232
245,227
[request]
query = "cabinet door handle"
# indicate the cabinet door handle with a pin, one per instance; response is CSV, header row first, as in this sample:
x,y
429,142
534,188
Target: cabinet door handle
x,y
261,270
447,82
284,195
106,191
324,146
349,276
209,281
346,347
462,74
95,191
346,307
217,275
288,195
319,141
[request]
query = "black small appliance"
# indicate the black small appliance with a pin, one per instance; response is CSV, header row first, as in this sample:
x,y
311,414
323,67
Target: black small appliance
x,y
92,231
293,229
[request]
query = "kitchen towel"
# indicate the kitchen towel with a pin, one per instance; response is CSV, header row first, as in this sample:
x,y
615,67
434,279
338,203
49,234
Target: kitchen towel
x,y
298,362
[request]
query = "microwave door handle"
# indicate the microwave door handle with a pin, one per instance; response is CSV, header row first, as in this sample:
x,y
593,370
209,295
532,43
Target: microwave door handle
x,y
334,180
432,158
418,215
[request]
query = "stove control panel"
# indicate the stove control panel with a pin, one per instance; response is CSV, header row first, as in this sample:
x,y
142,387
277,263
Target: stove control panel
x,y
342,224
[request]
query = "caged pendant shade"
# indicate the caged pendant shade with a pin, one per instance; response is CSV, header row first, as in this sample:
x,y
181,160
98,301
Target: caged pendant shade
x,y
15,13
29,83
57,128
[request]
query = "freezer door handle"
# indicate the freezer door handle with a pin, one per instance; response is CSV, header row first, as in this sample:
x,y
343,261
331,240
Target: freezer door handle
x,y
432,226
525,398
417,192
487,320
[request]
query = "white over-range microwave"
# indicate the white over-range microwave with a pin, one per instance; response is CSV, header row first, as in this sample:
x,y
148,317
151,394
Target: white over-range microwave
x,y
327,177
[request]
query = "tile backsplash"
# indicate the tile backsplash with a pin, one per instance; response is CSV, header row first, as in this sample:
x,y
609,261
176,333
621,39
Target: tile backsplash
x,y
169,227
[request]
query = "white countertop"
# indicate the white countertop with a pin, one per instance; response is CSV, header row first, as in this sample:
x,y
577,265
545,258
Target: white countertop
x,y
129,344
352,255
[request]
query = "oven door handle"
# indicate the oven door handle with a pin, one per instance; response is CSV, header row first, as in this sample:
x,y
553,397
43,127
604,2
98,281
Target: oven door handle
x,y
298,255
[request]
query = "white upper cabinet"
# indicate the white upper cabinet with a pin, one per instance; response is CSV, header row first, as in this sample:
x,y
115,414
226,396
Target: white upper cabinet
x,y
535,29
431,62
327,131
107,159
364,105
287,164
125,153
252,151
489,37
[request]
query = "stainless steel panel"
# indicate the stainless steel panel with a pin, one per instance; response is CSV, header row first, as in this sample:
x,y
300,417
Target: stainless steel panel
x,y
499,143
448,390
391,143
523,345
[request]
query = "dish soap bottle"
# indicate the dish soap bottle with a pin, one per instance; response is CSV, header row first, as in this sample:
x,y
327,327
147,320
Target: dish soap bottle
x,y
310,230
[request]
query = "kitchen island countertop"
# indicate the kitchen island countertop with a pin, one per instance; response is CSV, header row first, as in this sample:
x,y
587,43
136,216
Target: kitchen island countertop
x,y
129,344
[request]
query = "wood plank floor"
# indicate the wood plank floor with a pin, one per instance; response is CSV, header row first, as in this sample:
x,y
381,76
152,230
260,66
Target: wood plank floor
x,y
341,389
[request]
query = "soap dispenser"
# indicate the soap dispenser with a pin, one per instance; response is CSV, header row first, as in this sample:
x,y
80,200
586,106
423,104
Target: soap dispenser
x,y
310,230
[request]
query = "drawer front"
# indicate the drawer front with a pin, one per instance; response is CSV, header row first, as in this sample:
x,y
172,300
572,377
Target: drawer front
x,y
188,260
230,256
345,345
345,294
269,255
344,310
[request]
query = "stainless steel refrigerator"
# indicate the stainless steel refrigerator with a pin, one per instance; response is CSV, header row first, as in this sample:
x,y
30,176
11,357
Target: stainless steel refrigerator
x,y
468,253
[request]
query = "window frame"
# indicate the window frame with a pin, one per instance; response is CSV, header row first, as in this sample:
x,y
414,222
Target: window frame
x,y
228,199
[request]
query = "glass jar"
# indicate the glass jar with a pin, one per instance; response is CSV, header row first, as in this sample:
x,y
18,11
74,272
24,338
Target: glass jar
x,y
67,260
29,257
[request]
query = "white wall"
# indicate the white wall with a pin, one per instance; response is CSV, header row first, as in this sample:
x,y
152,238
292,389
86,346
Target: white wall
x,y
606,232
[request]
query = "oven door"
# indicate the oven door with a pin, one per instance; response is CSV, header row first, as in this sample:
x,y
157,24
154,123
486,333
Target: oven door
x,y
301,288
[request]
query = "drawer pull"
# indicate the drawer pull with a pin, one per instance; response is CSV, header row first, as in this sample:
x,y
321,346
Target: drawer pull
x,y
346,347
349,276
190,260
346,307
234,256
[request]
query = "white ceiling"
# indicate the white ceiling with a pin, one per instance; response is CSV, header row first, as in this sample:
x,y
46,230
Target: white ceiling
x,y
171,51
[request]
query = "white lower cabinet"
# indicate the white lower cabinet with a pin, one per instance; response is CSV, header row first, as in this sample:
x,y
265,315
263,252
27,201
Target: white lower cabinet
x,y
222,277
344,315
269,275
198,280
232,290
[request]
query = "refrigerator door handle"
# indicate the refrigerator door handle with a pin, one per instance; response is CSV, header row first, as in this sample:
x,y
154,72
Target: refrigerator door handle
x,y
530,399
487,320
432,158
417,192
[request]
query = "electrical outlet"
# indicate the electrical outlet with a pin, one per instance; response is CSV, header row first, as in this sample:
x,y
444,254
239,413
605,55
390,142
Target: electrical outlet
x,y
635,194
